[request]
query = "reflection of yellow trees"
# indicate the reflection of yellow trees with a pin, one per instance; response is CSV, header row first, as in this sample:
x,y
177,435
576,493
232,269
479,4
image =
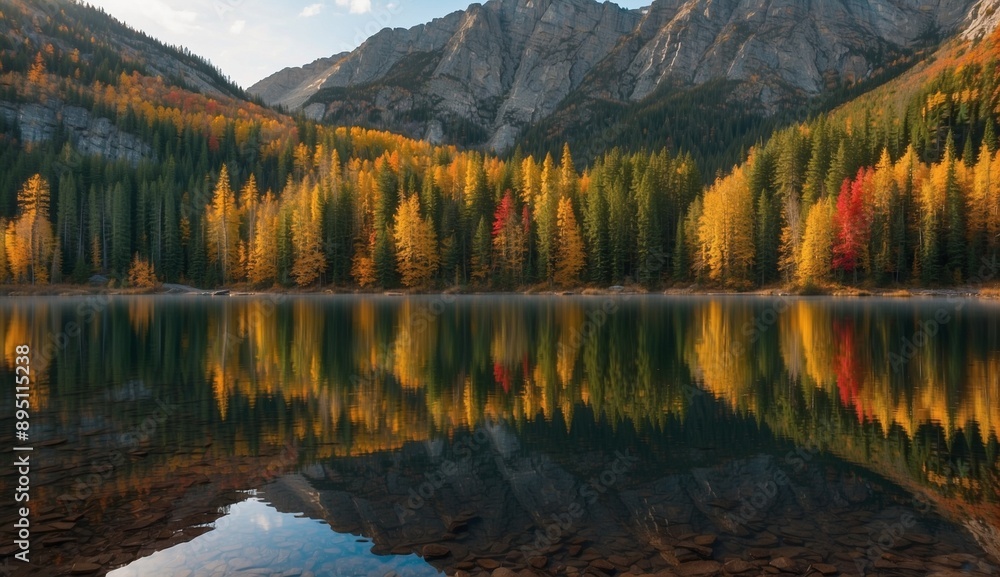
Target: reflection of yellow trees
x,y
375,374
723,357
37,328
523,366
140,315
413,345
567,347
807,344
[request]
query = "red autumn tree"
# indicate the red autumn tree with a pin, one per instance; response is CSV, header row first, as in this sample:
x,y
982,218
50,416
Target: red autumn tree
x,y
852,223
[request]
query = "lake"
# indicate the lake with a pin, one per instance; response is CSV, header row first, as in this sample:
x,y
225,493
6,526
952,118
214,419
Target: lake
x,y
506,435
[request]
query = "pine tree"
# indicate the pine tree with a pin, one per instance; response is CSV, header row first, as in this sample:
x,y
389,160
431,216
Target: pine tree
x,y
481,252
383,258
819,163
648,231
955,216
839,170
595,223
545,210
68,221
990,135
121,228
766,239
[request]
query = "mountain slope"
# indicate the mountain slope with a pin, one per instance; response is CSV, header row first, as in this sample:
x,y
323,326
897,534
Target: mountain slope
x,y
61,59
484,75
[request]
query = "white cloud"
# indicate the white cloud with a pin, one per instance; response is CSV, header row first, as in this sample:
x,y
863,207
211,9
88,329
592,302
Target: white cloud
x,y
238,27
356,6
312,10
176,21
141,14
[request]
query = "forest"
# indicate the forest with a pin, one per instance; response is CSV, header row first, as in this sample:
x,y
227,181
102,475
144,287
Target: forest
x,y
235,194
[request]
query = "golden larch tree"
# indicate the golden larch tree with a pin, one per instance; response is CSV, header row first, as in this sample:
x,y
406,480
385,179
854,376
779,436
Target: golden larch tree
x,y
416,244
726,228
29,237
263,264
141,274
571,256
224,228
307,237
817,243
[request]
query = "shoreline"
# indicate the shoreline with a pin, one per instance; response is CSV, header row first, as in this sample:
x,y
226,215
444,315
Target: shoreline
x,y
984,292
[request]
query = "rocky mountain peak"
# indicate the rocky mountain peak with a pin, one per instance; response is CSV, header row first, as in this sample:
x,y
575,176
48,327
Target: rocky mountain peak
x,y
497,68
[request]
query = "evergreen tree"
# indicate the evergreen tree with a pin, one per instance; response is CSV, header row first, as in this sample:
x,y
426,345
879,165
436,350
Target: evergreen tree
x,y
481,250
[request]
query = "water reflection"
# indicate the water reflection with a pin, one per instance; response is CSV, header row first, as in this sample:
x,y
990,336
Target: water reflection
x,y
255,538
899,394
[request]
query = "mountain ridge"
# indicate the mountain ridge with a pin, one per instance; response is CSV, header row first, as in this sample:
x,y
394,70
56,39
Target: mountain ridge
x,y
499,68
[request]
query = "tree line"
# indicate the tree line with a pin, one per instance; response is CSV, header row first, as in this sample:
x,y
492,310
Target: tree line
x,y
233,193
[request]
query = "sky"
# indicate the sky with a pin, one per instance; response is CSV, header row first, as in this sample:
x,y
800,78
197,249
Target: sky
x,y
251,39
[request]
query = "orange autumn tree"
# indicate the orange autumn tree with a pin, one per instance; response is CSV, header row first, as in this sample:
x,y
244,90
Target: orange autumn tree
x,y
141,274
416,244
29,238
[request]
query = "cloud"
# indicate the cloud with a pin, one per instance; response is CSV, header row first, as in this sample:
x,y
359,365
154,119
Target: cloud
x,y
140,14
238,27
177,21
356,6
312,10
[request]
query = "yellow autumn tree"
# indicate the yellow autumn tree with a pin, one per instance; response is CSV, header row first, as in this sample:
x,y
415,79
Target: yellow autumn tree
x,y
726,228
29,238
363,265
141,274
307,237
262,262
984,200
224,228
570,255
817,243
416,244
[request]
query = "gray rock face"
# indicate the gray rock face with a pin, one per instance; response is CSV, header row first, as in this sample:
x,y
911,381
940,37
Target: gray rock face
x,y
983,19
91,136
291,87
507,64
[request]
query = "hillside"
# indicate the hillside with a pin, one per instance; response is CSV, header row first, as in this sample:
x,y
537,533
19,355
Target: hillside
x,y
556,68
896,186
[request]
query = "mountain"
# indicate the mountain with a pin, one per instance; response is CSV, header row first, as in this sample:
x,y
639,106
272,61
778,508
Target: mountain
x,y
72,50
484,75
292,87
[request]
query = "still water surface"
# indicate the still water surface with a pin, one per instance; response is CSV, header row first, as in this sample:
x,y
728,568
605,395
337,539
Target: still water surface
x,y
427,435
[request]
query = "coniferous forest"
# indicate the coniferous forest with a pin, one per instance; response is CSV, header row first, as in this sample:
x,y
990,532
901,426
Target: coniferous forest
x,y
898,187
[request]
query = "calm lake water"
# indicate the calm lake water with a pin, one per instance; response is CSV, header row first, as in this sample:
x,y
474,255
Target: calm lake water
x,y
374,436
